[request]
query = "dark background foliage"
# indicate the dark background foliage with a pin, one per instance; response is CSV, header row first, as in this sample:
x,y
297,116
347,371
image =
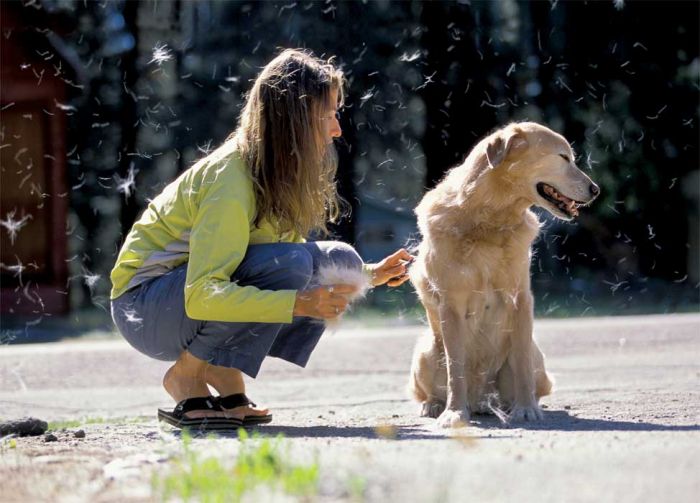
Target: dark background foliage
x,y
165,80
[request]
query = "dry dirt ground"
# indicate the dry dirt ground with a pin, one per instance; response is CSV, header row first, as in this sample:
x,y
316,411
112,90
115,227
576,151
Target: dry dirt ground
x,y
622,425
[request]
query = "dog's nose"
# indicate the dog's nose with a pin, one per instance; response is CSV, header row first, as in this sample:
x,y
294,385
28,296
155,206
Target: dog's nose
x,y
595,190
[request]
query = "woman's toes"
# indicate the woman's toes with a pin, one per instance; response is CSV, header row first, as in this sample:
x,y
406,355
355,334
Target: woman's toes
x,y
257,412
245,410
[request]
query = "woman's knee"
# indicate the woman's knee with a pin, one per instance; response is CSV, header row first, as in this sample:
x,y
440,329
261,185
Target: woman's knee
x,y
278,266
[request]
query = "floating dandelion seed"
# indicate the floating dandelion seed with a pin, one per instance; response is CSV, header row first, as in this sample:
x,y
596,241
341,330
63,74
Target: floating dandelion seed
x,y
286,7
90,279
367,96
16,269
206,148
408,58
131,317
619,4
126,185
14,226
428,80
614,287
161,54
64,107
215,289
652,235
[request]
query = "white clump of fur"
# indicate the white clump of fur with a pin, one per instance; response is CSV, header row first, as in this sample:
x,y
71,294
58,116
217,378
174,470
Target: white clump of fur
x,y
335,274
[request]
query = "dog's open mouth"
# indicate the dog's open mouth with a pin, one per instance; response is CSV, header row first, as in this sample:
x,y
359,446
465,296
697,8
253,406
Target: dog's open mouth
x,y
564,204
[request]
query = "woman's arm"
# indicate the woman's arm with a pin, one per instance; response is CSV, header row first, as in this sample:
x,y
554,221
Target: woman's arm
x,y
221,214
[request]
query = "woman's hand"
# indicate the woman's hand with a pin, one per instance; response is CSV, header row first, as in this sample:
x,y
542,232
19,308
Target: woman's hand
x,y
392,270
324,302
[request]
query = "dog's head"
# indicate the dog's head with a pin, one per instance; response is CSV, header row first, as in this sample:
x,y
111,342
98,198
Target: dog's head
x,y
539,165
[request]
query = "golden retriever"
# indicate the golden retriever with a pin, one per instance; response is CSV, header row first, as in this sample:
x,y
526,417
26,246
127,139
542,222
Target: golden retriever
x,y
472,274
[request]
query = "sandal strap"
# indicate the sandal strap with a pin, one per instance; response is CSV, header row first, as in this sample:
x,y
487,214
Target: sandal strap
x,y
197,403
233,401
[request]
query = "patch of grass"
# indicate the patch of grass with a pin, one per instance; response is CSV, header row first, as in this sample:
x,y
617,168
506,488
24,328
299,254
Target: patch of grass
x,y
74,423
7,443
59,425
260,464
357,486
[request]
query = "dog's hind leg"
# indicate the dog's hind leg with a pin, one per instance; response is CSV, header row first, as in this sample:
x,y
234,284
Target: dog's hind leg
x,y
505,381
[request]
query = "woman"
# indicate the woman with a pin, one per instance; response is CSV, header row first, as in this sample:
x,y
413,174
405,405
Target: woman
x,y
216,275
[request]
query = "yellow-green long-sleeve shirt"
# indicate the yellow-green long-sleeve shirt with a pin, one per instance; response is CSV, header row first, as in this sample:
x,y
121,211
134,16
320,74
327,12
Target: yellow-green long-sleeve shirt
x,y
205,218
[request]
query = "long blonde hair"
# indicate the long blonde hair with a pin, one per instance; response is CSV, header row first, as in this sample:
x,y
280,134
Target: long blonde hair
x,y
283,139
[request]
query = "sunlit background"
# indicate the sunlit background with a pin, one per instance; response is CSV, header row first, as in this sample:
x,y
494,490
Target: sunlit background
x,y
103,103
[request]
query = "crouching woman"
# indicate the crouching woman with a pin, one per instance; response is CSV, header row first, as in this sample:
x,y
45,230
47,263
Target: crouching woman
x,y
216,274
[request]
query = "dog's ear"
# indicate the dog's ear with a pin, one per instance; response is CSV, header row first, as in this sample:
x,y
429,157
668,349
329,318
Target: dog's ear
x,y
502,144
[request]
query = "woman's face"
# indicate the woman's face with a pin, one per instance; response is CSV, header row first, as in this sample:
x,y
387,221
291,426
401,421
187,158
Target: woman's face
x,y
330,118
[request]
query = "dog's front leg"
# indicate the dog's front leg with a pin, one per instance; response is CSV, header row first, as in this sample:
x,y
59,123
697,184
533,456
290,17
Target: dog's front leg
x,y
525,406
456,413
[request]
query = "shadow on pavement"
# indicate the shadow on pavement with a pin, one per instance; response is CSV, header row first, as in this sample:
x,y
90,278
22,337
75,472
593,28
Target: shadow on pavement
x,y
562,421
381,433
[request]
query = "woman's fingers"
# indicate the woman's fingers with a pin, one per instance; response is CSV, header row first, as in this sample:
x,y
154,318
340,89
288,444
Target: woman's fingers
x,y
324,302
330,301
400,254
396,270
398,281
333,308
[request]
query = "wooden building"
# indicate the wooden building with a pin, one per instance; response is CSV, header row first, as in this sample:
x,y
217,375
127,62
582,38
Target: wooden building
x,y
34,85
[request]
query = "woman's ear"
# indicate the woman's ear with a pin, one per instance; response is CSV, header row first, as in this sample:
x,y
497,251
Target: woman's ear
x,y
504,143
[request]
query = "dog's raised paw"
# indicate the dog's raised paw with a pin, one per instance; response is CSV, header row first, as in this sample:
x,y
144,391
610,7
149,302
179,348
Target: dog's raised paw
x,y
432,409
526,413
453,419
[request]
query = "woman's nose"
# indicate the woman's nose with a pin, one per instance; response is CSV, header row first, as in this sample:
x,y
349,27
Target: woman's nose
x,y
336,132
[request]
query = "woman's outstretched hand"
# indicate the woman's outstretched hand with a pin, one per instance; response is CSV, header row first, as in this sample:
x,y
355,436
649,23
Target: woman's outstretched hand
x,y
393,270
324,302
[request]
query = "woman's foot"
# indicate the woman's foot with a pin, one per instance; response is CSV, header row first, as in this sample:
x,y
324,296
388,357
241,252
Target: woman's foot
x,y
249,412
189,377
229,381
184,380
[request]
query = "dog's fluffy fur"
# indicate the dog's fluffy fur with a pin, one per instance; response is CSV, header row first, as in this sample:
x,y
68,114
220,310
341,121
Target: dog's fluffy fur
x,y
472,274
335,274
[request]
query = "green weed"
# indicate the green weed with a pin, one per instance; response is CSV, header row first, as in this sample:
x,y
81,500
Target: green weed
x,y
260,464
74,423
7,444
357,486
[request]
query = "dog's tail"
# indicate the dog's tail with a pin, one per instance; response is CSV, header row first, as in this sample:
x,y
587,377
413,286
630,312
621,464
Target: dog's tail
x,y
423,368
544,383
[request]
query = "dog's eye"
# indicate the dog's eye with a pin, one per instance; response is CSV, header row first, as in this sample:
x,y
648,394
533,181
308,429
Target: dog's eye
x,y
565,157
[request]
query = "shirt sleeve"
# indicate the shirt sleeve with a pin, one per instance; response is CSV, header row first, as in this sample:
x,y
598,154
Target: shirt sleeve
x,y
368,272
218,242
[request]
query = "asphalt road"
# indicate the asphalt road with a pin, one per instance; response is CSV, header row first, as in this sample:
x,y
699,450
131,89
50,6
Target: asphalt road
x,y
623,423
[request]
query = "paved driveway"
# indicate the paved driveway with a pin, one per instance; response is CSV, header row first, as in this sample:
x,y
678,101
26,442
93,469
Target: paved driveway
x,y
622,425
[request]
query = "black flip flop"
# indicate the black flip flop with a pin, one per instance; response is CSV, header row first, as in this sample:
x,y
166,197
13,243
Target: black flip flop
x,y
239,400
178,419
